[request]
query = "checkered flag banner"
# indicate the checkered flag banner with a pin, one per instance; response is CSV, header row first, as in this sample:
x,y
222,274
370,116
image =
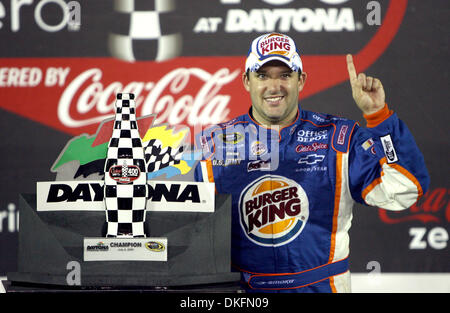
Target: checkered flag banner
x,y
142,31
125,174
158,157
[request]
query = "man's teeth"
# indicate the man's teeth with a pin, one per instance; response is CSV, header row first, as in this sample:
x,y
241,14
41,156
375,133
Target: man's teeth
x,y
274,99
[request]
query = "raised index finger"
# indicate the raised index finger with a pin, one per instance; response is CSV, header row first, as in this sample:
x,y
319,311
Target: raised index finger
x,y
351,68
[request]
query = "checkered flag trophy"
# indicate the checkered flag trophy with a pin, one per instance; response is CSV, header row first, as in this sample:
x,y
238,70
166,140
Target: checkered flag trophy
x,y
143,30
125,174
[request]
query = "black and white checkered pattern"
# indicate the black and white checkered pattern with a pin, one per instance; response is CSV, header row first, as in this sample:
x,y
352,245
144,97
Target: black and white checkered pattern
x,y
158,157
145,30
125,201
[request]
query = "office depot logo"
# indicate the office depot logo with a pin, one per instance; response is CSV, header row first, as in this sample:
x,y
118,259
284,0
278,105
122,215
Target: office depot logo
x,y
273,210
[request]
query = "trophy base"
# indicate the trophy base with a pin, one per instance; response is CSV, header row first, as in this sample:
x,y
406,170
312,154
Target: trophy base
x,y
51,250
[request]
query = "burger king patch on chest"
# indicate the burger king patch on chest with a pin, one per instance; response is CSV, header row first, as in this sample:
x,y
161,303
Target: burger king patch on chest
x,y
273,210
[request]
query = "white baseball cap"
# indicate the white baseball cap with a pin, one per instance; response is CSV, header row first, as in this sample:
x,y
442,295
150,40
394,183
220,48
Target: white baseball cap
x,y
273,46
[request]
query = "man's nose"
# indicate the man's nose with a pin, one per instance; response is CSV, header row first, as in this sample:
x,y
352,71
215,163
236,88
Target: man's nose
x,y
274,85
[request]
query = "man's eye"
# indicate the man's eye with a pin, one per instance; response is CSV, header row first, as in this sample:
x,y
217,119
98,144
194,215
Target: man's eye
x,y
261,76
286,75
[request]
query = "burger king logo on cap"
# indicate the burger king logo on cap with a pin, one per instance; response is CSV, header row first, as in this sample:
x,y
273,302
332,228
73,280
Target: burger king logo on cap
x,y
273,210
275,44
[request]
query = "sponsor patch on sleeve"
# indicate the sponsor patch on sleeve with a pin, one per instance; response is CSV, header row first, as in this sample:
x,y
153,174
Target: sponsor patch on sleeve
x,y
389,150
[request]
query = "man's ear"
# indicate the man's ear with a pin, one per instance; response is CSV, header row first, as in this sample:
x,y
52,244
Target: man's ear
x,y
302,80
245,81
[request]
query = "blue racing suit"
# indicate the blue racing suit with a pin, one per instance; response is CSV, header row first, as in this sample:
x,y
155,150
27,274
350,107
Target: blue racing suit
x,y
293,190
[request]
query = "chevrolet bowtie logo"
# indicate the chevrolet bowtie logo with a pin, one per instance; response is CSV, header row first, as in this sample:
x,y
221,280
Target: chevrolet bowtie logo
x,y
311,159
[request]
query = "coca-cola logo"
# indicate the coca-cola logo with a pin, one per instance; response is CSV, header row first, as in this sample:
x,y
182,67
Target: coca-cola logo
x,y
92,105
434,207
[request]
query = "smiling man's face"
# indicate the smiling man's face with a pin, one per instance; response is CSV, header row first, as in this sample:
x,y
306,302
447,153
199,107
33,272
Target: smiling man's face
x,y
274,91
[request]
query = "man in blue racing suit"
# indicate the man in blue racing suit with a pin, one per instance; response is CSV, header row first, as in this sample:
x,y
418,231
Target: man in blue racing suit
x,y
294,174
